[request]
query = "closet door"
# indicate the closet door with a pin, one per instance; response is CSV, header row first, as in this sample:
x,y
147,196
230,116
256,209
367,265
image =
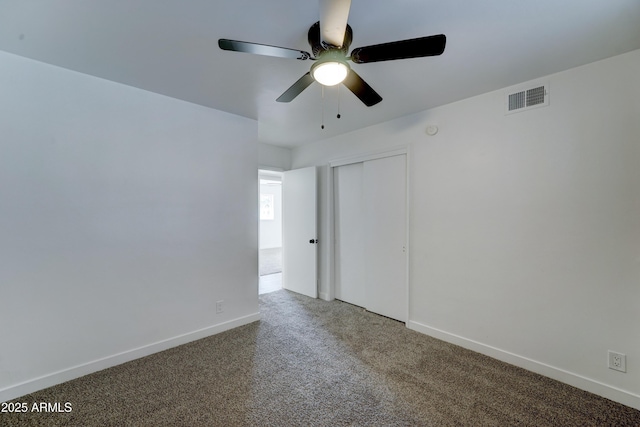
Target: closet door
x,y
349,261
385,224
370,235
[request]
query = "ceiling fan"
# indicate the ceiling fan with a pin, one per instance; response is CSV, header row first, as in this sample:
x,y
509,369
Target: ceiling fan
x,y
330,39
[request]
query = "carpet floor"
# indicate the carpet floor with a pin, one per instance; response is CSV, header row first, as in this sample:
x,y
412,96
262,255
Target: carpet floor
x,y
270,261
315,363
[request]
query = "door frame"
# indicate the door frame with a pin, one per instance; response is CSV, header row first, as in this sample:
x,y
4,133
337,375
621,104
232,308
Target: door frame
x,y
329,250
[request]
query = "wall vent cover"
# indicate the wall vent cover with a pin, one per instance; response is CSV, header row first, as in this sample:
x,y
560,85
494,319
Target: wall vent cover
x,y
526,98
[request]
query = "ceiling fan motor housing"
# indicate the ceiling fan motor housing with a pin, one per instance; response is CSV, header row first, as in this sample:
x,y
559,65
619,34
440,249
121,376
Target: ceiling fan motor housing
x,y
318,47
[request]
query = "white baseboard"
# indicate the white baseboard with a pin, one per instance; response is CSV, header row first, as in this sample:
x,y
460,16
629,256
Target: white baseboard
x,y
74,372
579,381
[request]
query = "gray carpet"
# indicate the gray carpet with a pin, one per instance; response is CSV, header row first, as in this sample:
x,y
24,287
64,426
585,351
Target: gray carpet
x,y
270,261
316,363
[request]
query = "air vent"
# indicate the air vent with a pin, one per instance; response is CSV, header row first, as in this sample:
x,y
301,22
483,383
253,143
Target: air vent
x,y
535,96
517,101
522,99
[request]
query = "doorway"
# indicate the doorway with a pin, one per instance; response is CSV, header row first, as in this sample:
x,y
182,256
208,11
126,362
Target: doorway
x,y
270,232
287,243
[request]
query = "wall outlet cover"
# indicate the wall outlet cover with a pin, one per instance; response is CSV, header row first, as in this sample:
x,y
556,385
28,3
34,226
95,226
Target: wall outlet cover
x,y
617,361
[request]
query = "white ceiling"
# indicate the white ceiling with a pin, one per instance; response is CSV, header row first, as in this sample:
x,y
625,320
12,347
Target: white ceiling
x,y
170,47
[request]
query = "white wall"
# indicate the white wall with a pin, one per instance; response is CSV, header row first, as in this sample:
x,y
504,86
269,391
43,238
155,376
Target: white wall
x,y
271,229
271,157
124,216
525,228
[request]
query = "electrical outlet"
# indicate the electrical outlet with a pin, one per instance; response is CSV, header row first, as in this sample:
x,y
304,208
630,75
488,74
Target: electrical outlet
x,y
219,306
617,361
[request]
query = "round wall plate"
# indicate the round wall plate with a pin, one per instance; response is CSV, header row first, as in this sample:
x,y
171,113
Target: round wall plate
x,y
432,130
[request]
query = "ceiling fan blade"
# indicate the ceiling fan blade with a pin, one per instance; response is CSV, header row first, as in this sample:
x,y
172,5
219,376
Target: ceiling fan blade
x,y
296,89
361,89
333,20
263,49
412,48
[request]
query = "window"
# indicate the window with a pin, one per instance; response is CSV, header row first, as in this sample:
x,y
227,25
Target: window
x,y
266,207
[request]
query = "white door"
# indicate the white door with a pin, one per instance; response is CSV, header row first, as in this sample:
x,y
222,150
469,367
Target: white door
x,y
370,228
349,234
299,232
385,226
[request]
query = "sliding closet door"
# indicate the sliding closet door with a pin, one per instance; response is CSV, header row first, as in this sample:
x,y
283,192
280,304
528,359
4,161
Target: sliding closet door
x,y
370,235
385,223
349,234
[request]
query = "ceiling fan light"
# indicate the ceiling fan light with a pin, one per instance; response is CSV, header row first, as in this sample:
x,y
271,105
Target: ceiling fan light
x,y
330,73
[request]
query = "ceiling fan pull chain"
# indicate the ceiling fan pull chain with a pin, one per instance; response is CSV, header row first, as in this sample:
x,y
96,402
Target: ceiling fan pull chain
x,y
339,88
322,106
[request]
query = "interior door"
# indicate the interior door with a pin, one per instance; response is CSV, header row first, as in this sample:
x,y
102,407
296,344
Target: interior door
x,y
349,234
299,231
385,223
